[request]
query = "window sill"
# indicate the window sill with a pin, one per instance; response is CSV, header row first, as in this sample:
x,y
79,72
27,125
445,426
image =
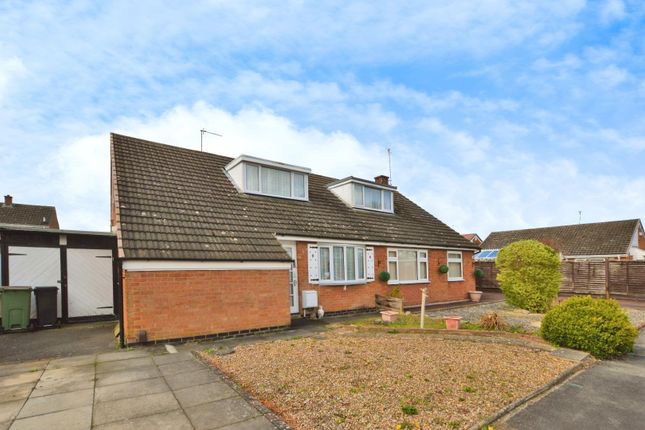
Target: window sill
x,y
455,279
341,283
419,281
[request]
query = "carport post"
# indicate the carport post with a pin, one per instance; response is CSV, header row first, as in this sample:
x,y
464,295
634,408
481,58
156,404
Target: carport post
x,y
4,258
63,279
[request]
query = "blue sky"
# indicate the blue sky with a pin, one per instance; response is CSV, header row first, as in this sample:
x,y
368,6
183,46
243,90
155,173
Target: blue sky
x,y
500,114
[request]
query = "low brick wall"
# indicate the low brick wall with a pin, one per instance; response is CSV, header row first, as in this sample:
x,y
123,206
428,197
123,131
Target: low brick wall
x,y
185,304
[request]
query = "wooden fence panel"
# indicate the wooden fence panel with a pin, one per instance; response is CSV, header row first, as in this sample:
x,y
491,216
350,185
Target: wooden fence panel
x,y
626,278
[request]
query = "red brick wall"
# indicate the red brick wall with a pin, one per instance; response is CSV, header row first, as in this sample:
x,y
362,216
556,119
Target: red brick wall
x,y
339,298
175,304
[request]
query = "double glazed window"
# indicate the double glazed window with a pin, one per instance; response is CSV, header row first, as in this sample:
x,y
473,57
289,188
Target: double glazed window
x,y
455,266
340,263
372,198
407,265
274,182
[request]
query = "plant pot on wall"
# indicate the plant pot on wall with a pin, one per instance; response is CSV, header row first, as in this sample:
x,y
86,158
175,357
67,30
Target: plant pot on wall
x,y
384,276
443,268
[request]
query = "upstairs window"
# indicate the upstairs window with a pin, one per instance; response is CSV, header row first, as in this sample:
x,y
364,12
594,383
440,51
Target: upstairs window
x,y
367,197
265,180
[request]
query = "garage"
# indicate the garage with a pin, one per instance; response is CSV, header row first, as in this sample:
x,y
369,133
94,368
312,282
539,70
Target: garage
x,y
80,264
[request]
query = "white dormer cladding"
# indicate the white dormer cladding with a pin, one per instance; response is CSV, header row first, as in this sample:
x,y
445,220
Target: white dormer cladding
x,y
362,194
269,178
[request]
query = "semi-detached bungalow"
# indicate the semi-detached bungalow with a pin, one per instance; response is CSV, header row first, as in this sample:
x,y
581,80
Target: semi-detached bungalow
x,y
212,245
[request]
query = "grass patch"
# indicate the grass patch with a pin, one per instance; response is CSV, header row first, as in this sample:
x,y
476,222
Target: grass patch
x,y
409,410
404,321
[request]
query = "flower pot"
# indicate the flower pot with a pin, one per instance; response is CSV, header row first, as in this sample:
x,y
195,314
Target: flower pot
x,y
389,316
475,296
452,323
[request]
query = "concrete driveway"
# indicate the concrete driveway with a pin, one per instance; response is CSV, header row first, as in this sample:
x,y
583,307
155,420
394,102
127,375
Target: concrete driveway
x,y
72,339
610,395
123,390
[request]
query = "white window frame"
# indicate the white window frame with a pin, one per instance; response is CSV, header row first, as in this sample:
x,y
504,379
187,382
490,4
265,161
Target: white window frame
x,y
422,257
292,176
459,260
383,194
332,281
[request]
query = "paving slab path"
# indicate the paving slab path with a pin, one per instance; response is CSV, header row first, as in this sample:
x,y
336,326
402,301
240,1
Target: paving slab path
x,y
609,395
122,390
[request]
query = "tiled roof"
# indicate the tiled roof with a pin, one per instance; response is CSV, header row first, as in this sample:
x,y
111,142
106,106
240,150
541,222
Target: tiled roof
x,y
176,203
31,215
600,238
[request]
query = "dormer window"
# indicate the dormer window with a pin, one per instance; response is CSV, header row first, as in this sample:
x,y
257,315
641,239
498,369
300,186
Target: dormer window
x,y
257,176
372,198
362,194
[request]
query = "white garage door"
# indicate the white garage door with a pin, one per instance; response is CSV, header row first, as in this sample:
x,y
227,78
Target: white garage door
x,y
89,282
35,267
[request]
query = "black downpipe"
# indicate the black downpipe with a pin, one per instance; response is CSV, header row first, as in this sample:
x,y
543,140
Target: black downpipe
x,y
119,287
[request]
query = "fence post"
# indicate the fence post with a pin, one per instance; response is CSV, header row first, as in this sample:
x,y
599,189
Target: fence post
x,y
627,278
607,295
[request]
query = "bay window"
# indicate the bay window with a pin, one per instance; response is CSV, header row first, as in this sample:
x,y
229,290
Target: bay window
x,y
407,266
341,264
455,266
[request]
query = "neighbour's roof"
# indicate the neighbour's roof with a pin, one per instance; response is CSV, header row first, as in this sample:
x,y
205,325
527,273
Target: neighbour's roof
x,y
176,203
31,215
470,236
600,238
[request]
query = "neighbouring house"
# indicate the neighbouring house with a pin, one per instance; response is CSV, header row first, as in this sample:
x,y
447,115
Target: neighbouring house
x,y
473,238
616,240
18,214
214,245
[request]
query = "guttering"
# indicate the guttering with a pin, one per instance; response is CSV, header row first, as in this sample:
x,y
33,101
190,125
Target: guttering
x,y
369,242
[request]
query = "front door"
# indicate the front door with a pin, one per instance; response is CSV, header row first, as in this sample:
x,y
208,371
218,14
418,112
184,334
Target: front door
x,y
293,281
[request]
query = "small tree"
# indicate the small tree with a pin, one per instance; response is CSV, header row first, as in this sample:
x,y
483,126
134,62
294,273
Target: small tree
x,y
529,275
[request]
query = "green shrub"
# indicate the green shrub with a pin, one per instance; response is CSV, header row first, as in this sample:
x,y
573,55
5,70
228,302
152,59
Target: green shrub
x,y
384,276
396,293
529,275
598,326
409,409
479,273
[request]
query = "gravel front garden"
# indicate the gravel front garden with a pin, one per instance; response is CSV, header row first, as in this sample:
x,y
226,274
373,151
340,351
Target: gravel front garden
x,y
349,380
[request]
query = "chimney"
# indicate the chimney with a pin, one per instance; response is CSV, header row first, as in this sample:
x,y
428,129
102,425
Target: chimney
x,y
382,180
8,200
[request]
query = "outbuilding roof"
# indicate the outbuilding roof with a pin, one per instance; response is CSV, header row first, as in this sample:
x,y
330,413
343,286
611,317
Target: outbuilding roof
x,y
598,239
176,203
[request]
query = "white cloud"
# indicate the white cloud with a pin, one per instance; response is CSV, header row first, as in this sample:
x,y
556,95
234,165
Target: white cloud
x,y
10,69
612,11
610,76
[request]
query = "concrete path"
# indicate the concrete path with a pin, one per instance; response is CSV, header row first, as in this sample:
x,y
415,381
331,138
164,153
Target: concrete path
x,y
610,395
122,390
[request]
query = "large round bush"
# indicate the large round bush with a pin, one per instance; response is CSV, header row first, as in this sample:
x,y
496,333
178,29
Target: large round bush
x,y
529,275
598,326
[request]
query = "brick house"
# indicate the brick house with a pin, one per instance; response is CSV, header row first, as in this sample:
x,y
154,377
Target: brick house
x,y
616,240
21,215
211,245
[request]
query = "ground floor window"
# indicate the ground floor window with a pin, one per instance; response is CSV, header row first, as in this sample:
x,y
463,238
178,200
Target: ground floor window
x,y
455,266
407,265
341,263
